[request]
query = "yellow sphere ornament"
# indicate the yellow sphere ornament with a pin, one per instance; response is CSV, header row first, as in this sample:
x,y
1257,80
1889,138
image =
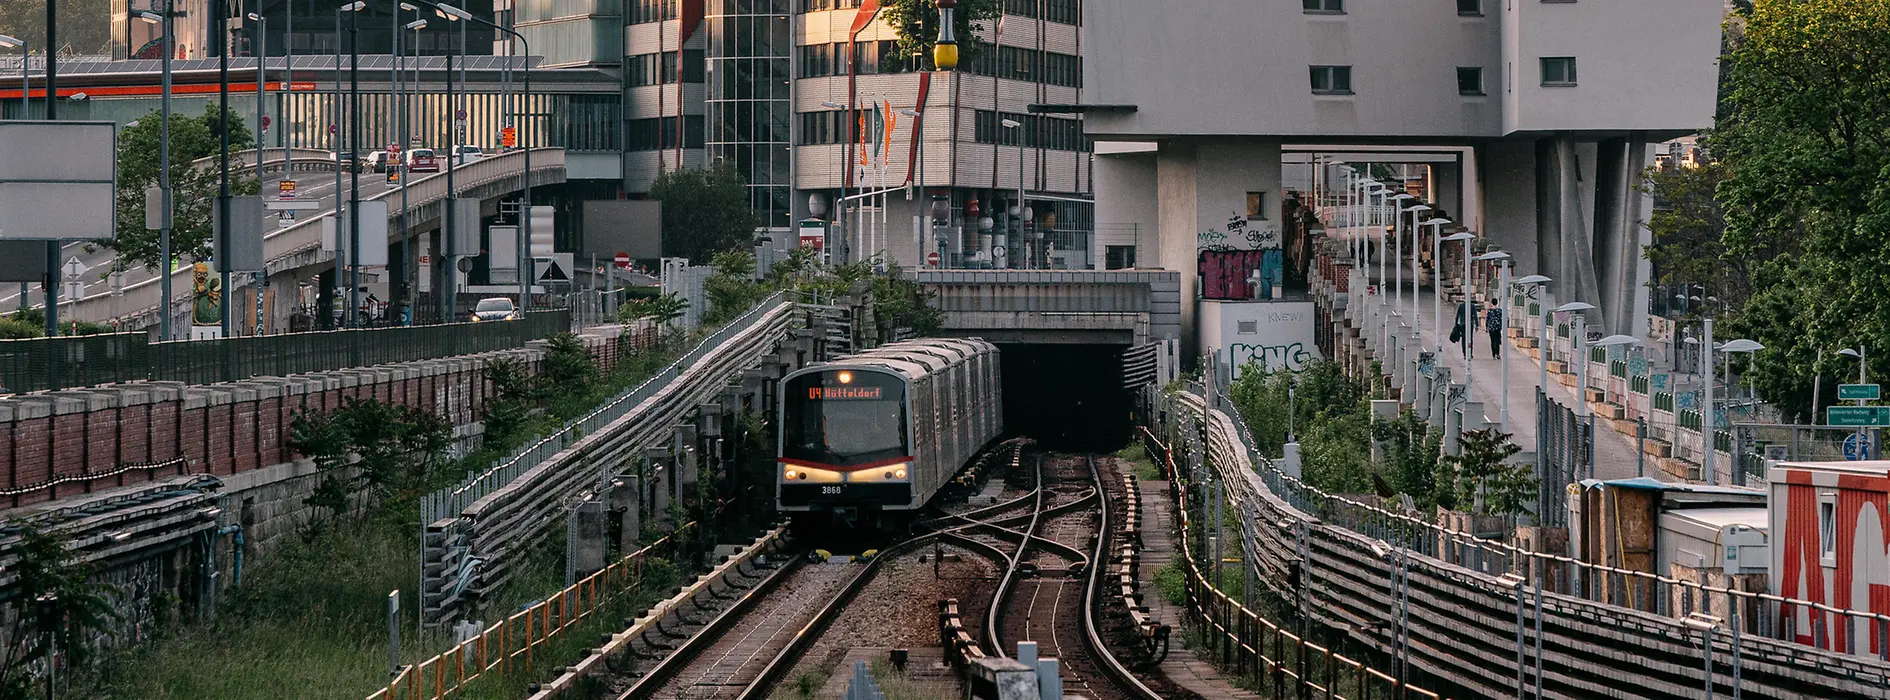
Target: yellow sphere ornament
x,y
945,56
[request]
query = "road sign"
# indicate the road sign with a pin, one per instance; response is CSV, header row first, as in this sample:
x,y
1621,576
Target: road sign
x,y
285,189
73,268
265,122
334,128
1857,416
1857,447
508,137
1859,392
554,269
931,259
460,115
997,251
622,260
393,147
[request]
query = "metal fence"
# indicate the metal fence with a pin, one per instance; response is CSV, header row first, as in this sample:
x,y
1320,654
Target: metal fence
x,y
1567,456
40,364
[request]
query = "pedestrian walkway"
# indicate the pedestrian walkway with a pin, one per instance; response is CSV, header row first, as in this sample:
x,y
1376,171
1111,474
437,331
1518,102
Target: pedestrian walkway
x,y
1615,455
1192,673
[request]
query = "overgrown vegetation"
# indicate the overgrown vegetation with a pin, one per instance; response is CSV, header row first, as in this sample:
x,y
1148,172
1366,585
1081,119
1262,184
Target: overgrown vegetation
x,y
193,190
902,307
55,604
1482,480
664,309
368,447
1330,416
1143,463
31,323
705,211
1172,583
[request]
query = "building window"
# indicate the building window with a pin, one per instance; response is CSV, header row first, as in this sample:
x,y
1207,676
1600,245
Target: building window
x,y
1558,71
1256,205
660,68
1469,81
1033,130
1325,6
660,132
1470,8
642,11
1118,257
1332,80
1827,529
1021,8
1063,12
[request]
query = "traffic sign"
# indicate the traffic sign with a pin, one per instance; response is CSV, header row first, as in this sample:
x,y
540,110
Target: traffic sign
x,y
73,268
1857,416
508,137
265,122
334,128
460,115
393,147
1857,447
285,189
997,251
554,269
1859,392
622,260
931,259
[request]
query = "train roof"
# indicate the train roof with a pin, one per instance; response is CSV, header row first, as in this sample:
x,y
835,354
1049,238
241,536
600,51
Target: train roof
x,y
912,358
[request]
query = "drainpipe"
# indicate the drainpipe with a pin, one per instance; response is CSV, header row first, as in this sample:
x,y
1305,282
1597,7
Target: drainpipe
x,y
236,529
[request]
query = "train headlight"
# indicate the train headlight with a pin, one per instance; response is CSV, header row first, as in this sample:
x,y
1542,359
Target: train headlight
x,y
792,475
899,474
846,377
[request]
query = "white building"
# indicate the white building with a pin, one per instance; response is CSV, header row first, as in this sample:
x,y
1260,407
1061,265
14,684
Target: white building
x,y
1531,118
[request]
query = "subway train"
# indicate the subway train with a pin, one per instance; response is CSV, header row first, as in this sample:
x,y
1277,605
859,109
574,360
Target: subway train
x,y
868,439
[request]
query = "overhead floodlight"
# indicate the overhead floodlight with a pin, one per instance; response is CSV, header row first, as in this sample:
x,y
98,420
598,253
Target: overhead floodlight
x,y
1742,345
454,12
1493,255
417,24
146,17
1575,306
1847,352
1439,221
1617,340
1008,124
1460,236
355,6
1534,279
833,105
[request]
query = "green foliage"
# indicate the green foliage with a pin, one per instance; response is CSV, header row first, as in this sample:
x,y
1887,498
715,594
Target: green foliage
x,y
569,367
1483,479
194,190
1413,449
916,22
55,600
1806,104
84,26
31,323
1689,226
15,329
393,449
509,408
901,302
663,308
1141,461
733,289
705,211
1172,583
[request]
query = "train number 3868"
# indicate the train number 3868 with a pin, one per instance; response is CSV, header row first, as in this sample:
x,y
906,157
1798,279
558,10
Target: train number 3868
x,y
830,490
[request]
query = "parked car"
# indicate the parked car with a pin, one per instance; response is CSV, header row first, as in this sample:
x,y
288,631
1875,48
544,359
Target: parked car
x,y
421,160
466,154
495,309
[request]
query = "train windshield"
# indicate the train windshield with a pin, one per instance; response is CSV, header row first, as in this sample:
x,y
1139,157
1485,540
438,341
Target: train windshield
x,y
844,418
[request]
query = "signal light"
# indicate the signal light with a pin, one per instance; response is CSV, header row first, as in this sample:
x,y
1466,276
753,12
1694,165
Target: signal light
x,y
846,377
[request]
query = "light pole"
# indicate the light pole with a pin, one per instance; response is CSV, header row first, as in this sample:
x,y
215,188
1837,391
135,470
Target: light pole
x,y
1019,206
1503,291
1859,354
1578,344
1534,284
262,54
838,250
26,103
919,136
164,172
354,155
524,283
1397,238
406,143
342,257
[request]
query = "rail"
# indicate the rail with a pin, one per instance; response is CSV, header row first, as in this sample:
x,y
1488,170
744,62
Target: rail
x,y
300,160
305,236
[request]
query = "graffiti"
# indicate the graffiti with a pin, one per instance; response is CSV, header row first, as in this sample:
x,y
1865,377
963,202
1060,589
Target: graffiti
x,y
1227,275
1843,578
1292,356
1210,240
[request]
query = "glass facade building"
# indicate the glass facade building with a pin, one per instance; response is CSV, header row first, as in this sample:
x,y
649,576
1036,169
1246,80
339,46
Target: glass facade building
x,y
748,110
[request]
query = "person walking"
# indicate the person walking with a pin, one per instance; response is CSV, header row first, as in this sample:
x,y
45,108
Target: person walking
x,y
1493,322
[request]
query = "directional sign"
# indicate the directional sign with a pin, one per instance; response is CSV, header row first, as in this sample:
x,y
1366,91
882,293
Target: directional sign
x,y
1859,392
1857,416
73,268
508,137
1857,447
555,269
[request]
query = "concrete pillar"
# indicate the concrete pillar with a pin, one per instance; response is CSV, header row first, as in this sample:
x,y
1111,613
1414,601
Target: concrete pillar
x,y
658,471
685,447
627,501
584,539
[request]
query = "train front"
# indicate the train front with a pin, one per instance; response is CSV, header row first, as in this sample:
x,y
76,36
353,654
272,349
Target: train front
x,y
846,446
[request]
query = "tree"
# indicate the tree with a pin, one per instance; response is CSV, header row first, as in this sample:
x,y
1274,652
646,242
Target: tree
x,y
1804,134
194,190
84,25
663,309
1484,478
705,211
1688,226
54,600
916,23
900,301
733,289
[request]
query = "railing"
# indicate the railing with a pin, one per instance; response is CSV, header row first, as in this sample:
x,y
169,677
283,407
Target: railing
x,y
511,644
1471,587
450,501
40,364
1097,247
244,161
305,236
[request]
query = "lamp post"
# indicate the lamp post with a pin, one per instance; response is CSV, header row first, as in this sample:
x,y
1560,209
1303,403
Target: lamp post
x,y
1437,280
1009,124
262,54
354,156
404,140
1578,344
524,283
1859,354
920,177
1397,237
1535,283
342,258
837,251
1503,291
164,171
26,103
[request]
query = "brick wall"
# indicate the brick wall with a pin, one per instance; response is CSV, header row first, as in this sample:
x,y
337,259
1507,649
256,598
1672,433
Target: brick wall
x,y
60,444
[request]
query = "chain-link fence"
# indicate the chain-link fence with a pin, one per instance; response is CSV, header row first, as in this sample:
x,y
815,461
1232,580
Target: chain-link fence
x,y
1567,456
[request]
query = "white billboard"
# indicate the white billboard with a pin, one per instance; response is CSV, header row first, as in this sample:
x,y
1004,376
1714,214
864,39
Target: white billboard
x,y
56,180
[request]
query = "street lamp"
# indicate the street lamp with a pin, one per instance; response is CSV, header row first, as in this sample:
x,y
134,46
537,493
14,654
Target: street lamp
x,y
839,252
1010,124
1579,346
164,173
1502,293
1859,354
1533,283
1397,238
936,220
262,54
405,140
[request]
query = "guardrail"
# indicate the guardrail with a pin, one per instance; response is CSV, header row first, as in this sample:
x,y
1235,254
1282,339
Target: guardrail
x,y
1464,603
300,159
473,530
305,236
66,362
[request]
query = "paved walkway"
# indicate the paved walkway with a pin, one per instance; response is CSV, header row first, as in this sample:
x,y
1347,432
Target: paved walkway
x,y
1615,456
1193,674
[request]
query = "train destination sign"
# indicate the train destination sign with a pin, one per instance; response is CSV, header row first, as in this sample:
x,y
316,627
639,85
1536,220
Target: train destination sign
x,y
842,393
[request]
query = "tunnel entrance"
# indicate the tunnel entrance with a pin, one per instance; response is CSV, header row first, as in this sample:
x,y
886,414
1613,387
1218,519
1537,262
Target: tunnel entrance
x,y
1067,397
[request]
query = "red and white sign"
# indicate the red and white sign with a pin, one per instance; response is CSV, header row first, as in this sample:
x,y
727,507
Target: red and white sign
x,y
393,148
931,259
285,189
623,261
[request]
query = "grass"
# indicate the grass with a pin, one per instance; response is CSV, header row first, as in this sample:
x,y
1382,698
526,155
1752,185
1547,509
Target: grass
x,y
1137,455
310,620
1173,584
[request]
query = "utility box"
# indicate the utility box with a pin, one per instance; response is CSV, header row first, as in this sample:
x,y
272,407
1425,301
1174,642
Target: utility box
x,y
1001,679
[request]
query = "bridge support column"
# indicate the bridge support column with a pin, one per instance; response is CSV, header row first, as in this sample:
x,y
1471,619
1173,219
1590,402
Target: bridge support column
x,y
627,501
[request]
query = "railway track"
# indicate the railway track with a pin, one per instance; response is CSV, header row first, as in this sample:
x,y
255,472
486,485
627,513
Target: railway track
x,y
1048,592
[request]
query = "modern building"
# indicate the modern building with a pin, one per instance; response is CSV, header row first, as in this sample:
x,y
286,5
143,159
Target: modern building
x,y
307,26
1532,119
790,92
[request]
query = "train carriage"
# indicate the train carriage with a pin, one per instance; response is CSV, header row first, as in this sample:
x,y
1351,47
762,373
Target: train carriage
x,y
874,435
